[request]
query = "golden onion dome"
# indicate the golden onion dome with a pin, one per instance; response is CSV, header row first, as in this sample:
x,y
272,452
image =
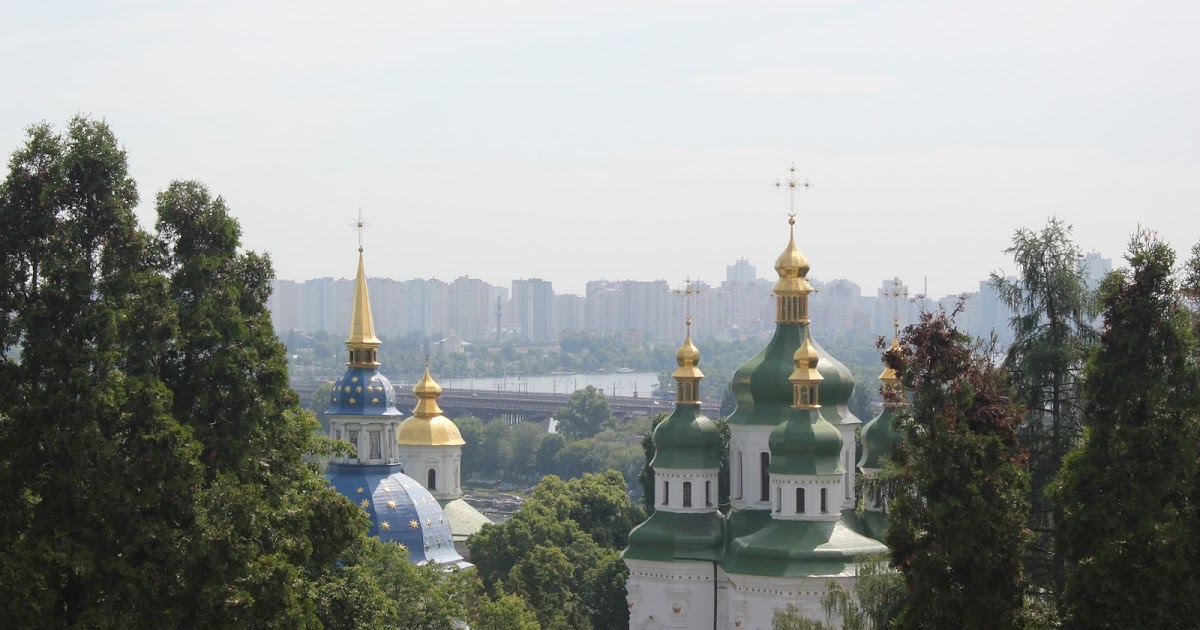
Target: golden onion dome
x,y
888,376
791,263
688,357
435,431
805,360
427,426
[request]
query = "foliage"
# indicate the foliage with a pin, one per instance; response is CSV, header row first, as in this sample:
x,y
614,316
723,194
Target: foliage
x,y
878,596
506,612
1130,531
1052,309
559,552
958,516
150,449
586,414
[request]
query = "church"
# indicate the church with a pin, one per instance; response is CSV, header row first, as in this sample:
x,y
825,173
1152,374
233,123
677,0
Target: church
x,y
430,521
792,524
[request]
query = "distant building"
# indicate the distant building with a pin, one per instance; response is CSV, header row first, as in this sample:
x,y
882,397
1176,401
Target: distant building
x,y
284,305
533,309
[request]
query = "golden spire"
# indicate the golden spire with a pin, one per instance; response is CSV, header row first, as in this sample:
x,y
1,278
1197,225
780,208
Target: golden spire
x,y
427,391
362,342
805,378
687,376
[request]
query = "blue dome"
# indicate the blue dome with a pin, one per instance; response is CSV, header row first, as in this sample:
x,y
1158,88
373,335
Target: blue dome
x,y
401,510
362,391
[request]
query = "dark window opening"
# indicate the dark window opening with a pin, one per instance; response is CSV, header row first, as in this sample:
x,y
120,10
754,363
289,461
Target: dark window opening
x,y
687,494
764,460
432,485
799,500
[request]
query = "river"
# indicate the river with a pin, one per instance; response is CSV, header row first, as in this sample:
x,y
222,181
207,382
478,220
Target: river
x,y
613,383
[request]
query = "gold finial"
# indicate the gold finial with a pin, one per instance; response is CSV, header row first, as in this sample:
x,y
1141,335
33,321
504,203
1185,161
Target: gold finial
x,y
360,225
791,263
687,292
427,391
362,342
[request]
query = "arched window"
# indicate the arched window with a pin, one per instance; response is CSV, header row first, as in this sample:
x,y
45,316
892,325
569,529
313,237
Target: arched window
x,y
764,460
432,485
799,500
824,509
666,492
778,499
687,494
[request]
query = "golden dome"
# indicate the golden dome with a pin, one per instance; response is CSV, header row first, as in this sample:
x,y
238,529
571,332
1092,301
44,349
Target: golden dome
x,y
435,431
805,360
791,263
427,426
688,357
792,267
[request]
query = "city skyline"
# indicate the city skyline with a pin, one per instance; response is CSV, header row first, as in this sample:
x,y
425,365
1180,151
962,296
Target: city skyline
x,y
571,141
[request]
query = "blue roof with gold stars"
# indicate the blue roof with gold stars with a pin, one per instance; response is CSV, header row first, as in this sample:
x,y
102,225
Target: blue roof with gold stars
x,y
363,391
402,512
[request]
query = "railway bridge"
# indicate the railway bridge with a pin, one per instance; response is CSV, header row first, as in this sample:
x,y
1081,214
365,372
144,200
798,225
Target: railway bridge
x,y
519,406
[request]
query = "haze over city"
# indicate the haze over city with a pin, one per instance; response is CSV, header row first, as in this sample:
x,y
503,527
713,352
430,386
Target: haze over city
x,y
574,141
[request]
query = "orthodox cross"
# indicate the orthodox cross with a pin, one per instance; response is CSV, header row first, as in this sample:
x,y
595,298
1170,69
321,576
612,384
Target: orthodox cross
x,y
791,183
687,292
360,226
897,291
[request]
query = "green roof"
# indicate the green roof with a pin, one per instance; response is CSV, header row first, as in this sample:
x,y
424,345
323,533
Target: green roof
x,y
464,518
806,444
799,548
687,439
879,438
668,536
761,387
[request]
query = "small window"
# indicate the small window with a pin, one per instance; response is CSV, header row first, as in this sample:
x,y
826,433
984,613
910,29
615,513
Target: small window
x,y
764,460
353,439
432,485
778,499
666,492
687,494
708,494
799,500
824,509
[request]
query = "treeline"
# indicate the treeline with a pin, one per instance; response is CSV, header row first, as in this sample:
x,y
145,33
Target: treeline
x,y
1057,487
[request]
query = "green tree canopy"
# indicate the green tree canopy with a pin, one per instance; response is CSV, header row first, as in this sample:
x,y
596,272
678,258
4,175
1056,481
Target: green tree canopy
x,y
959,507
1130,531
559,552
586,414
150,448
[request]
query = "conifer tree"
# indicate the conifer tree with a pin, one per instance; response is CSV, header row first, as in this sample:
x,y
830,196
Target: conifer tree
x,y
958,513
1130,531
1052,310
150,448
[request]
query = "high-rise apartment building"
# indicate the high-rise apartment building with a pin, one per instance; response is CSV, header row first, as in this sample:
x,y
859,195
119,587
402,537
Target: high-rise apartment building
x,y
533,309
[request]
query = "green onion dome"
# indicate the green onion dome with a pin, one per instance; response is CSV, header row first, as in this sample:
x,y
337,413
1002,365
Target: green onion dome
x,y
806,444
686,439
879,437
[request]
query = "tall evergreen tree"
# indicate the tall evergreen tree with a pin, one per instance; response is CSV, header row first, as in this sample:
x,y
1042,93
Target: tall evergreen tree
x,y
98,481
150,448
1130,531
958,515
1052,310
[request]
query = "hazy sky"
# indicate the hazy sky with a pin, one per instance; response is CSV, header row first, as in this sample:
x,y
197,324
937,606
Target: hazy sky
x,y
637,139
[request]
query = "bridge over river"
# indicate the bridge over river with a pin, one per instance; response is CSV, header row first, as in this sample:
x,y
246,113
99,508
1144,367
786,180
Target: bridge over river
x,y
520,406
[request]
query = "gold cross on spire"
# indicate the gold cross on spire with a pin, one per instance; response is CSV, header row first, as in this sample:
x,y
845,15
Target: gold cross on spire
x,y
687,292
897,291
791,183
360,226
